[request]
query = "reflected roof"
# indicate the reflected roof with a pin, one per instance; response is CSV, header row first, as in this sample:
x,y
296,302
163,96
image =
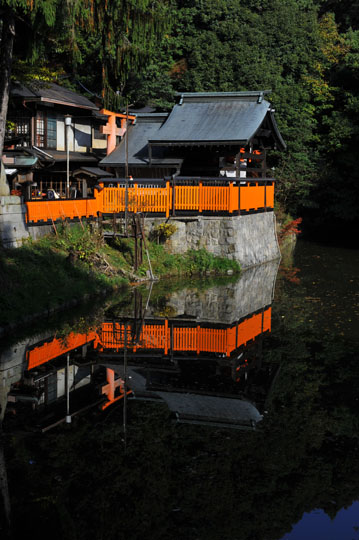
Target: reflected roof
x,y
196,408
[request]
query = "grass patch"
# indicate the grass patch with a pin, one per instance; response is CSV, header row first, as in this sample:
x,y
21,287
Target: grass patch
x,y
50,272
192,263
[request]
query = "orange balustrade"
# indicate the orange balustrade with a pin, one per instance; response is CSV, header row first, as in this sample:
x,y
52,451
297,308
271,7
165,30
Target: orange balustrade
x,y
61,209
248,196
140,199
252,197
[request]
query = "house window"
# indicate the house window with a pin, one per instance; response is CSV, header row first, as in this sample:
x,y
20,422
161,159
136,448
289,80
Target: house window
x,y
51,131
40,130
23,128
45,135
18,126
98,135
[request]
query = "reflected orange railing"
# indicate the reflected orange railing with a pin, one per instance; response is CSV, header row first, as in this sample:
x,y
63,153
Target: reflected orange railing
x,y
192,339
165,199
157,336
57,347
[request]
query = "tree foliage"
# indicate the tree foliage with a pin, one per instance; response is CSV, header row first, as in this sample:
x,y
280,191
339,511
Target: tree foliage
x,y
143,52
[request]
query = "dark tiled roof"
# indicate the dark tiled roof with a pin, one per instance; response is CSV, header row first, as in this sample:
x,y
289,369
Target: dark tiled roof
x,y
80,157
50,92
93,171
210,118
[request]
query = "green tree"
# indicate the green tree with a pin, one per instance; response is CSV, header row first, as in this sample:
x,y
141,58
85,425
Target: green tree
x,y
36,15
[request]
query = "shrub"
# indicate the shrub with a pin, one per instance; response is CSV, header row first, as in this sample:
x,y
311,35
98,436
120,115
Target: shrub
x,y
163,231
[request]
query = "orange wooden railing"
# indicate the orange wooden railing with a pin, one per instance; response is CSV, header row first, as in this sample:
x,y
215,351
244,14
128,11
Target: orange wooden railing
x,y
165,199
61,209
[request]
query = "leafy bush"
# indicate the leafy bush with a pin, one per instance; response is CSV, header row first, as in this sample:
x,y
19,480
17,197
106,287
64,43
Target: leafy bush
x,y
163,231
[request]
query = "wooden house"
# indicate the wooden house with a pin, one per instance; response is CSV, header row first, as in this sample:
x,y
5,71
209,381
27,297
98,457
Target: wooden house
x,y
37,139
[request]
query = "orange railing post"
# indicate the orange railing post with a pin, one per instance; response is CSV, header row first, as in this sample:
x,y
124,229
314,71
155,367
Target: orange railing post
x,y
168,199
231,207
200,197
137,206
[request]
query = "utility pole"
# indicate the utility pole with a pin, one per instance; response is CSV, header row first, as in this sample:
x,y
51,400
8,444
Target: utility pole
x,y
67,140
67,386
126,173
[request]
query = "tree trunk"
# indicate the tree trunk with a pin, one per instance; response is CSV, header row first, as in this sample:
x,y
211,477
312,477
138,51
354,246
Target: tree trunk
x,y
7,41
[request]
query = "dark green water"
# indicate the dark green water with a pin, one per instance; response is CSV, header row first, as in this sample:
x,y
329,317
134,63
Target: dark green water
x,y
250,429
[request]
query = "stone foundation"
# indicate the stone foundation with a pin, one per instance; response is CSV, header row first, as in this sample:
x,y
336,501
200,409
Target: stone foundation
x,y
13,228
249,239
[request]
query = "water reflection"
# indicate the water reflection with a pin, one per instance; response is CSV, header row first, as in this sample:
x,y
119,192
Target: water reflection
x,y
148,453
200,352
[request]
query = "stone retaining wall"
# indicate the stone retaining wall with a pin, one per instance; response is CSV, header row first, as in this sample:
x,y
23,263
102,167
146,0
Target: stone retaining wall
x,y
12,221
250,239
13,228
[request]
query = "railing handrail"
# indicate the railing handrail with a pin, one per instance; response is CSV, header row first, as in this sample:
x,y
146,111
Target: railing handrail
x,y
196,179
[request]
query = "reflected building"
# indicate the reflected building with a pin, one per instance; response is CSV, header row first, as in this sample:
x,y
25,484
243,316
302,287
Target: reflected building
x,y
198,352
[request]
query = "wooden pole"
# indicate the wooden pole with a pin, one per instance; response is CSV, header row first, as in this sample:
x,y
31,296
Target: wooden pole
x,y
126,173
148,255
136,246
125,386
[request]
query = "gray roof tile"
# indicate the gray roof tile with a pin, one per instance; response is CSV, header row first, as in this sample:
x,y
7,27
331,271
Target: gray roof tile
x,y
43,91
232,117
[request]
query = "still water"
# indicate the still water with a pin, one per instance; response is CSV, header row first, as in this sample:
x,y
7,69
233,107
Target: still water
x,y
205,409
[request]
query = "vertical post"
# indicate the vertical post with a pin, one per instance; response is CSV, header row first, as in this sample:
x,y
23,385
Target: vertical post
x,y
166,338
265,195
67,385
200,197
126,142
140,226
168,199
231,198
125,385
171,342
173,195
150,153
136,248
126,173
67,141
238,164
135,199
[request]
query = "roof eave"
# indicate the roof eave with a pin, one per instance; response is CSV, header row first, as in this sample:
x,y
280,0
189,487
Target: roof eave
x,y
278,137
199,143
58,102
